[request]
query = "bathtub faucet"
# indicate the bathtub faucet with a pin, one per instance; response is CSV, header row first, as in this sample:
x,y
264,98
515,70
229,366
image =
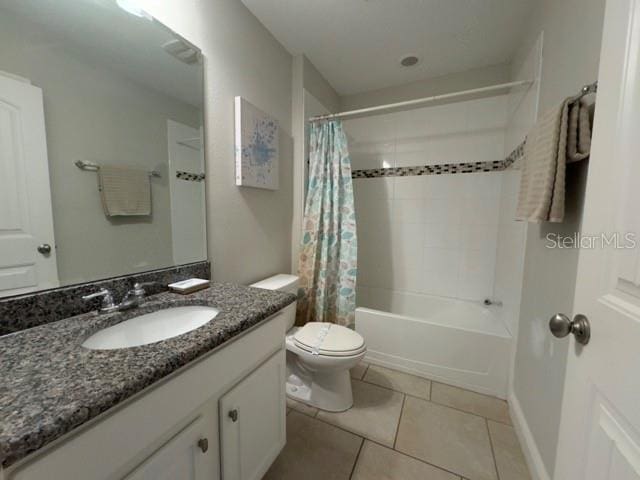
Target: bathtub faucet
x,y
490,301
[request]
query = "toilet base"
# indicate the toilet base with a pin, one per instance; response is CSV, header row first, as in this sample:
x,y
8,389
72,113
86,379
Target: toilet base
x,y
330,391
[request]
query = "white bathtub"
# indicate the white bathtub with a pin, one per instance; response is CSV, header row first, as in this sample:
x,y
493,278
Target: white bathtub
x,y
454,341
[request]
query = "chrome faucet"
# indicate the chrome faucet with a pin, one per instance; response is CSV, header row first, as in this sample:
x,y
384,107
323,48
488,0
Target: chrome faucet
x,y
132,299
108,304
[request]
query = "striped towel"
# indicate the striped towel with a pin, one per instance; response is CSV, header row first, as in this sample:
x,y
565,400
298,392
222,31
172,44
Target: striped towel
x,y
124,191
562,135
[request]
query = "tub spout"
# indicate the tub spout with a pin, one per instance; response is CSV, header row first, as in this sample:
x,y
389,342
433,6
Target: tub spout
x,y
490,301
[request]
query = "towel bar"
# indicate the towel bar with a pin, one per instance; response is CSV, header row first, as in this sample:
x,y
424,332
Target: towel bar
x,y
93,167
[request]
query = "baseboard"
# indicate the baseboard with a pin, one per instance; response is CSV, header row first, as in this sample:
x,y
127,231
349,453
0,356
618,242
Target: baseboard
x,y
531,453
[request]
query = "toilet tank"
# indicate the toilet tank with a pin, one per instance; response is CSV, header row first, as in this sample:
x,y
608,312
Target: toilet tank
x,y
283,283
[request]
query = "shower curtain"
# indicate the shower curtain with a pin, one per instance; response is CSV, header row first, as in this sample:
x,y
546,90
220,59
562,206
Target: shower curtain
x,y
328,253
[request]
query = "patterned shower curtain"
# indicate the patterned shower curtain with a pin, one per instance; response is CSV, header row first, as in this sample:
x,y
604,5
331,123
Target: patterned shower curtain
x,y
328,254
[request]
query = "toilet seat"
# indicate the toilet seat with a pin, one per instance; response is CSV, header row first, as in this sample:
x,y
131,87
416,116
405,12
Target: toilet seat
x,y
329,340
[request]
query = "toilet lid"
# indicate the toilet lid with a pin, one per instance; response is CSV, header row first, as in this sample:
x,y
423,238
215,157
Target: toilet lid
x,y
329,339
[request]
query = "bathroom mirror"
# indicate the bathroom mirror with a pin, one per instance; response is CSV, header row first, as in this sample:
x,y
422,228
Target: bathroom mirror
x,y
101,144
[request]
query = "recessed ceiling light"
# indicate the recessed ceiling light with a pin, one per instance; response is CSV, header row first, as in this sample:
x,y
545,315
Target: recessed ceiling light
x,y
409,61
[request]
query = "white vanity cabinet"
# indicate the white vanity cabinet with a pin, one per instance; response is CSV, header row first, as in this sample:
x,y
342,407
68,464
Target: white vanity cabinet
x,y
182,427
252,422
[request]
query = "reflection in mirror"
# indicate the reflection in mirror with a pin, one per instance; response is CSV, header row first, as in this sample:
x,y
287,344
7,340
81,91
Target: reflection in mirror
x,y
101,151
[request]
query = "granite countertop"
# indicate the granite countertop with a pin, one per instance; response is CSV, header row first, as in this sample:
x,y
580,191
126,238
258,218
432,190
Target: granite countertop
x,y
50,384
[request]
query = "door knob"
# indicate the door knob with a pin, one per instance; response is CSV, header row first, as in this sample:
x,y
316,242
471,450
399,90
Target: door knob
x,y
561,326
233,415
44,249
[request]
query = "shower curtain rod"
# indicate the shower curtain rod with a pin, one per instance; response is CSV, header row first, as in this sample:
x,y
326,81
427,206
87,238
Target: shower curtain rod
x,y
421,101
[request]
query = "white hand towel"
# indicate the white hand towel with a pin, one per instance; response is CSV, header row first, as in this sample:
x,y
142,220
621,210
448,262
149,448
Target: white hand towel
x,y
124,191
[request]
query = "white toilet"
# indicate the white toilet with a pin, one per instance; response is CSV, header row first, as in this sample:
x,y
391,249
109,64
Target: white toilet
x,y
319,355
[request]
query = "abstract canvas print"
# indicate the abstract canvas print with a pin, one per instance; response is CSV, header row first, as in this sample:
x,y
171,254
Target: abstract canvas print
x,y
257,147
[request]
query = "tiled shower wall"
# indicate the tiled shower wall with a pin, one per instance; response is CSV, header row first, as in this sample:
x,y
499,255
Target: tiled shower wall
x,y
522,111
431,234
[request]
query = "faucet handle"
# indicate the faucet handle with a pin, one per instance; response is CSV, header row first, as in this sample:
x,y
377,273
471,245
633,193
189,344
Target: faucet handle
x,y
103,292
107,299
138,287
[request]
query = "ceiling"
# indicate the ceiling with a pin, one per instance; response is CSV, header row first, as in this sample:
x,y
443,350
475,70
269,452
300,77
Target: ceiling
x,y
358,44
98,30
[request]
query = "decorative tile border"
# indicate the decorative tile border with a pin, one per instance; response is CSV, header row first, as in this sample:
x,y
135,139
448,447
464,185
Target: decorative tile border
x,y
32,309
443,168
190,177
515,155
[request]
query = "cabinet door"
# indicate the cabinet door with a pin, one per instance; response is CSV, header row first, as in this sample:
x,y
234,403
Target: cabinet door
x,y
189,455
252,422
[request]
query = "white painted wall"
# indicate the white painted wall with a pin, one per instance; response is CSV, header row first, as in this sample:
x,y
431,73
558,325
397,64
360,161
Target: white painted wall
x,y
318,86
312,95
572,34
432,234
94,113
249,230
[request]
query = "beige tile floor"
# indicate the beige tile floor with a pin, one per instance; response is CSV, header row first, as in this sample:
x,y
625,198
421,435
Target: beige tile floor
x,y
401,427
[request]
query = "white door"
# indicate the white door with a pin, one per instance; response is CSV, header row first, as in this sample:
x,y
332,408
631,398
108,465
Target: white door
x,y
600,424
253,422
27,247
186,187
186,456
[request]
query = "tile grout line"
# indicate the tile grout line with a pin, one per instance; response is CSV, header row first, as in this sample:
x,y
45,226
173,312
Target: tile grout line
x,y
315,415
493,452
293,409
395,438
408,455
344,429
431,382
389,388
430,399
405,395
456,409
355,463
386,446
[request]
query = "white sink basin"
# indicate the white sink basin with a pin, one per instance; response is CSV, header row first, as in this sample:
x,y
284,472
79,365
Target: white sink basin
x,y
151,328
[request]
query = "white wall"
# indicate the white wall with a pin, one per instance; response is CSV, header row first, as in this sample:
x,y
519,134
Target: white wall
x,y
312,95
318,86
94,113
249,230
572,34
431,234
